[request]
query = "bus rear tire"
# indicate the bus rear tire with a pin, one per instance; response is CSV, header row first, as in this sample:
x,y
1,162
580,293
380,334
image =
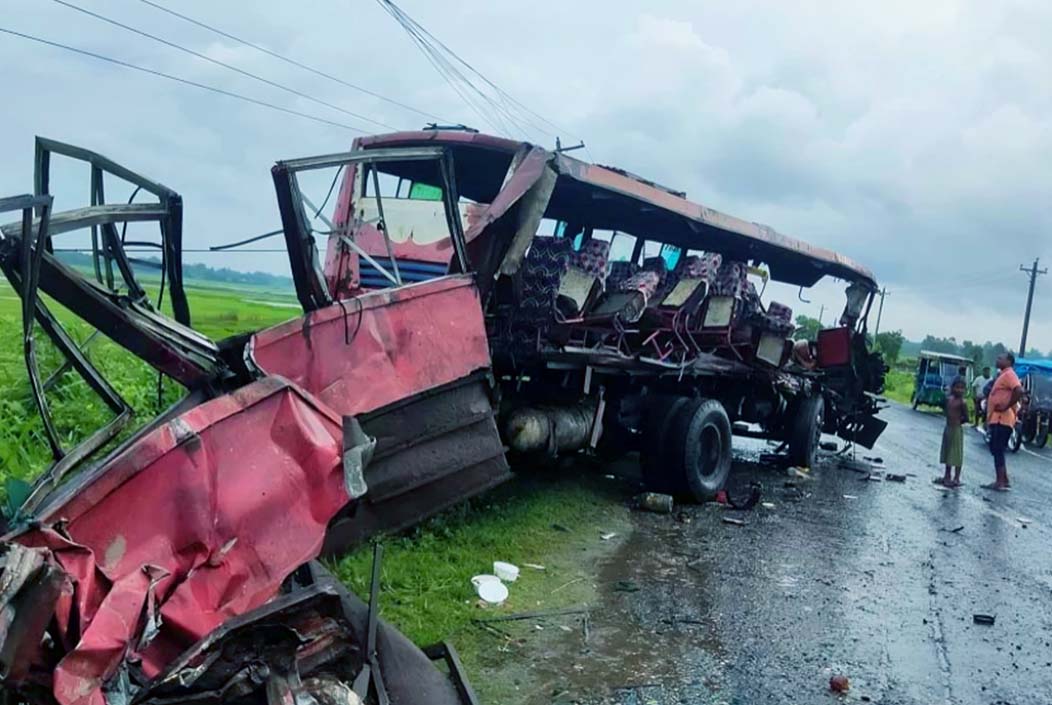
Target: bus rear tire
x,y
689,451
698,449
805,433
657,474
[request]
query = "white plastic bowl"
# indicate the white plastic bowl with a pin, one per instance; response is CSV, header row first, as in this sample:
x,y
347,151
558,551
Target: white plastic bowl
x,y
479,579
506,571
492,591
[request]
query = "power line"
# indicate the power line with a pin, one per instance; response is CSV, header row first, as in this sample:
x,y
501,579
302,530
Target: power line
x,y
500,92
223,64
293,62
177,79
449,73
503,109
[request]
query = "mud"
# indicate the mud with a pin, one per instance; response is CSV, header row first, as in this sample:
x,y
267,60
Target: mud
x,y
876,586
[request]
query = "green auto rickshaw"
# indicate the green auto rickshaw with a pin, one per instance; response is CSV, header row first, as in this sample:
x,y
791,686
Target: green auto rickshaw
x,y
935,374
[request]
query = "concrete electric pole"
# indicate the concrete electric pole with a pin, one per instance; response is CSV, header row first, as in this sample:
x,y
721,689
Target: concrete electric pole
x,y
1033,272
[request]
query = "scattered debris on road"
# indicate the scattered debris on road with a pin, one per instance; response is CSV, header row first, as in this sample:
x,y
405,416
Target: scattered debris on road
x,y
839,683
533,566
626,586
607,536
987,619
733,522
850,496
655,502
894,478
958,530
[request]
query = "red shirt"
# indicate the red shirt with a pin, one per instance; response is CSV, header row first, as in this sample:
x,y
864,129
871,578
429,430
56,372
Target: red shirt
x,y
1001,394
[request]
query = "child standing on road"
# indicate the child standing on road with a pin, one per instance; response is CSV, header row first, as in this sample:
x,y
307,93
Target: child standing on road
x,y
952,454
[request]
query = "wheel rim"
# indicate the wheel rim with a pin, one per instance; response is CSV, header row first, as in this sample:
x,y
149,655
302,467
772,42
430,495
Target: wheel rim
x,y
711,443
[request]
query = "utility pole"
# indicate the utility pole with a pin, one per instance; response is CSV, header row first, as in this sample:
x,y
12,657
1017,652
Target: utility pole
x,y
821,313
1033,272
880,311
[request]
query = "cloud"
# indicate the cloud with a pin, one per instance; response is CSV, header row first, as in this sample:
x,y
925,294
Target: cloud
x,y
911,136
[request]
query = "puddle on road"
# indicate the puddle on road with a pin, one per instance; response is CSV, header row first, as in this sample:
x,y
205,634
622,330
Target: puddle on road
x,y
650,639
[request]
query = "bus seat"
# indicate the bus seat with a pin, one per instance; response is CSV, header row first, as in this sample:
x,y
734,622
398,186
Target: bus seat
x,y
584,279
685,288
629,299
532,313
726,297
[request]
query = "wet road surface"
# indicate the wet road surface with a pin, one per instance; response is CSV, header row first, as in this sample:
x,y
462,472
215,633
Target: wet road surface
x,y
874,580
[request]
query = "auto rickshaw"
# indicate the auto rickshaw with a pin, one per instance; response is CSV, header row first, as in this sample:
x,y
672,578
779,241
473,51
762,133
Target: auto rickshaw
x,y
935,373
1035,416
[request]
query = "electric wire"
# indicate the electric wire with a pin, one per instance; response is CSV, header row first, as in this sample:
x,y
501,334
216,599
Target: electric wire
x,y
492,112
177,79
290,61
223,64
506,99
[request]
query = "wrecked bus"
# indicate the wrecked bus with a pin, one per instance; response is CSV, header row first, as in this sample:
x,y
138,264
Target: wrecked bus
x,y
461,305
620,316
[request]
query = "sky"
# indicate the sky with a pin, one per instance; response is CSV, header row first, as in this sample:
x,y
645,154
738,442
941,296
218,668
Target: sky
x,y
914,137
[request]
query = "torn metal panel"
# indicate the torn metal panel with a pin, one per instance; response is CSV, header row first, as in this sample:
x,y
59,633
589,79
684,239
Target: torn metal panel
x,y
511,220
364,353
206,514
433,450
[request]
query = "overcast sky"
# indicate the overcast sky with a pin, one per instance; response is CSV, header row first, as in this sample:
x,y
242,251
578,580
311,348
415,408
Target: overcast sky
x,y
914,137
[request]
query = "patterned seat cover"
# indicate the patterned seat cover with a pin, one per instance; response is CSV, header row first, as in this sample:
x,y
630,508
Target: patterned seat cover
x,y
732,279
592,258
620,271
648,278
542,270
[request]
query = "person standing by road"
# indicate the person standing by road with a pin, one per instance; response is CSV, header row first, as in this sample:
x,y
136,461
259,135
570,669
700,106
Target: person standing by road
x,y
979,392
952,453
1001,416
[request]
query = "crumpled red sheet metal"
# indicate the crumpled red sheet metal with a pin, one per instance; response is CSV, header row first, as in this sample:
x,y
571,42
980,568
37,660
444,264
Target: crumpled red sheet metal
x,y
364,353
198,521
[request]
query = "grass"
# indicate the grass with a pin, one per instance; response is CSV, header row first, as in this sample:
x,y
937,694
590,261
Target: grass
x,y
898,385
426,576
218,312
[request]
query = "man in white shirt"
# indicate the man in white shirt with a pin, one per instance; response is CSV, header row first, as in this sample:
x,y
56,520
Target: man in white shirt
x,y
978,387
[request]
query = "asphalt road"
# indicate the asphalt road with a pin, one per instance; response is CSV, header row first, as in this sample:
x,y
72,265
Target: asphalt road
x,y
870,579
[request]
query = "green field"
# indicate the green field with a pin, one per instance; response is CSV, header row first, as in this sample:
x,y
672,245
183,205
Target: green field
x,y
898,384
218,312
